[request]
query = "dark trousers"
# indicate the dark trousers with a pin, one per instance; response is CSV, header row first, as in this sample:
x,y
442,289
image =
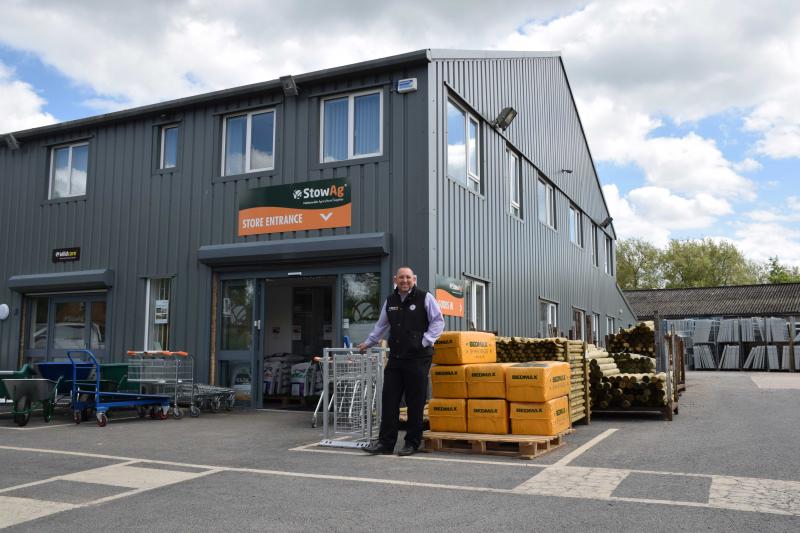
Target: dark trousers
x,y
410,377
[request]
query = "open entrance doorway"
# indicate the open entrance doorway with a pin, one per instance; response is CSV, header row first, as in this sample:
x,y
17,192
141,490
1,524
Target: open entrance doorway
x,y
299,325
271,327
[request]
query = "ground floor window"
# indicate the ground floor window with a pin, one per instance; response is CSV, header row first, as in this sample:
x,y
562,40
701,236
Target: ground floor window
x,y
548,319
156,335
578,319
361,304
610,325
476,305
59,323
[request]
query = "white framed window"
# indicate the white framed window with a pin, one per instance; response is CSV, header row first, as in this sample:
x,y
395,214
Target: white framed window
x,y
548,319
547,203
578,323
609,248
169,147
610,325
248,142
595,251
157,314
351,126
463,146
476,305
575,226
514,182
594,323
68,168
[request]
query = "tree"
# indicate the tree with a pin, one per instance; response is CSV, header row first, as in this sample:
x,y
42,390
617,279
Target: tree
x,y
705,263
775,272
638,265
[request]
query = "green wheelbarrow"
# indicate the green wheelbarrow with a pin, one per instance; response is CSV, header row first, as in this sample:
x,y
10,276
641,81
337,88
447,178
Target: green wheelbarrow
x,y
28,394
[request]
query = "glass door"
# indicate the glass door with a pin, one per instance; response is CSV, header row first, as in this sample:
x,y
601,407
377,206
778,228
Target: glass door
x,y
239,339
59,324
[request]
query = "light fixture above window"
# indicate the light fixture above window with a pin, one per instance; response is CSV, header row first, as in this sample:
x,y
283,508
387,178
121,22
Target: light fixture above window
x,y
289,85
505,118
566,170
604,224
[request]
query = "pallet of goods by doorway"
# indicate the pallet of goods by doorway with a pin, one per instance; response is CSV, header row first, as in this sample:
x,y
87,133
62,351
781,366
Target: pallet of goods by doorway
x,y
504,396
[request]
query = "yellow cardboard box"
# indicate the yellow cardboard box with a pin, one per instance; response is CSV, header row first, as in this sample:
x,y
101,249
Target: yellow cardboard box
x,y
547,418
464,347
487,380
487,416
448,414
449,381
537,382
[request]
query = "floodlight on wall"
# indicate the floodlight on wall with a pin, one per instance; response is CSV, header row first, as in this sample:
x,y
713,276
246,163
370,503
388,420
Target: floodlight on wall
x,y
289,85
11,141
505,118
604,224
566,170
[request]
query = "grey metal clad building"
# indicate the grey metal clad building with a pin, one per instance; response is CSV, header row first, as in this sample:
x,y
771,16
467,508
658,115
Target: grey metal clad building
x,y
268,219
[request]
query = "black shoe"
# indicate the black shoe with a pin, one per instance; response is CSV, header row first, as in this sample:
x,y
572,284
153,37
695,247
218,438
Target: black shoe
x,y
407,450
377,449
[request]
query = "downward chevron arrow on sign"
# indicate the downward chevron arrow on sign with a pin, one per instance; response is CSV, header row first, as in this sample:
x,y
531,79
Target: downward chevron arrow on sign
x,y
326,216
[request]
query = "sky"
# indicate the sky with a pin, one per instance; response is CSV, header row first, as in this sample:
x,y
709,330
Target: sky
x,y
691,108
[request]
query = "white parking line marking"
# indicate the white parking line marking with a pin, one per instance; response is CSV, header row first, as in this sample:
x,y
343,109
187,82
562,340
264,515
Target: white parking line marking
x,y
575,482
727,492
49,426
564,461
15,511
131,477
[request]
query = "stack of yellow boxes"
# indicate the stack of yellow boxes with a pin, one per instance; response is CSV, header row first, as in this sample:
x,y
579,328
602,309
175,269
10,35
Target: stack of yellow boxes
x,y
538,393
472,393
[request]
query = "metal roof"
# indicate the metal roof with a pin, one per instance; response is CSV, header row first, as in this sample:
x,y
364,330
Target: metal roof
x,y
417,56
741,300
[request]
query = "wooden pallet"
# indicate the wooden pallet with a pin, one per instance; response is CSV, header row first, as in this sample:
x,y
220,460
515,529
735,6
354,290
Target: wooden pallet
x,y
521,446
666,411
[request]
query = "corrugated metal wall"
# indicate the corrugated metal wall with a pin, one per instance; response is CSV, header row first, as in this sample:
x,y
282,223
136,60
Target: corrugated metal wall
x,y
523,260
142,223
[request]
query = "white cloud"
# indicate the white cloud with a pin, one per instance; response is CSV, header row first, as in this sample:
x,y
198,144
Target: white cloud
x,y
653,213
762,240
747,165
20,106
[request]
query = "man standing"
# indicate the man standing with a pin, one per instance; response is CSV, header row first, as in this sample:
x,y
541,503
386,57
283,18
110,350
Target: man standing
x,y
414,322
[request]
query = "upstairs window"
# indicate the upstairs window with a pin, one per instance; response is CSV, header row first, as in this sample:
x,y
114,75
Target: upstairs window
x,y
68,167
595,251
352,126
575,226
547,203
169,147
514,183
609,256
249,142
463,155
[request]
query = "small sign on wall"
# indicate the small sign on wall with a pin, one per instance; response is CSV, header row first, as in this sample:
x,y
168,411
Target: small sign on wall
x,y
450,295
161,308
66,255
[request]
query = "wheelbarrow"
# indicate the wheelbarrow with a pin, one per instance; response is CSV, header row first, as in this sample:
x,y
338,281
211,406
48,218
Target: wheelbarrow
x,y
28,394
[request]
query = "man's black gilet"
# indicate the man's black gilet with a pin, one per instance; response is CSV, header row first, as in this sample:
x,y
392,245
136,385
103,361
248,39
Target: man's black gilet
x,y
408,321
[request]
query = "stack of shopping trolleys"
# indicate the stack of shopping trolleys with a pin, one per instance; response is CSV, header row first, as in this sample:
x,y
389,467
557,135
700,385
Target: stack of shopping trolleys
x,y
155,383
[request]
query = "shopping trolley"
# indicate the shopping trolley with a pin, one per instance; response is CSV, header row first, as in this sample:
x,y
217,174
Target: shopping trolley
x,y
166,373
351,396
214,398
